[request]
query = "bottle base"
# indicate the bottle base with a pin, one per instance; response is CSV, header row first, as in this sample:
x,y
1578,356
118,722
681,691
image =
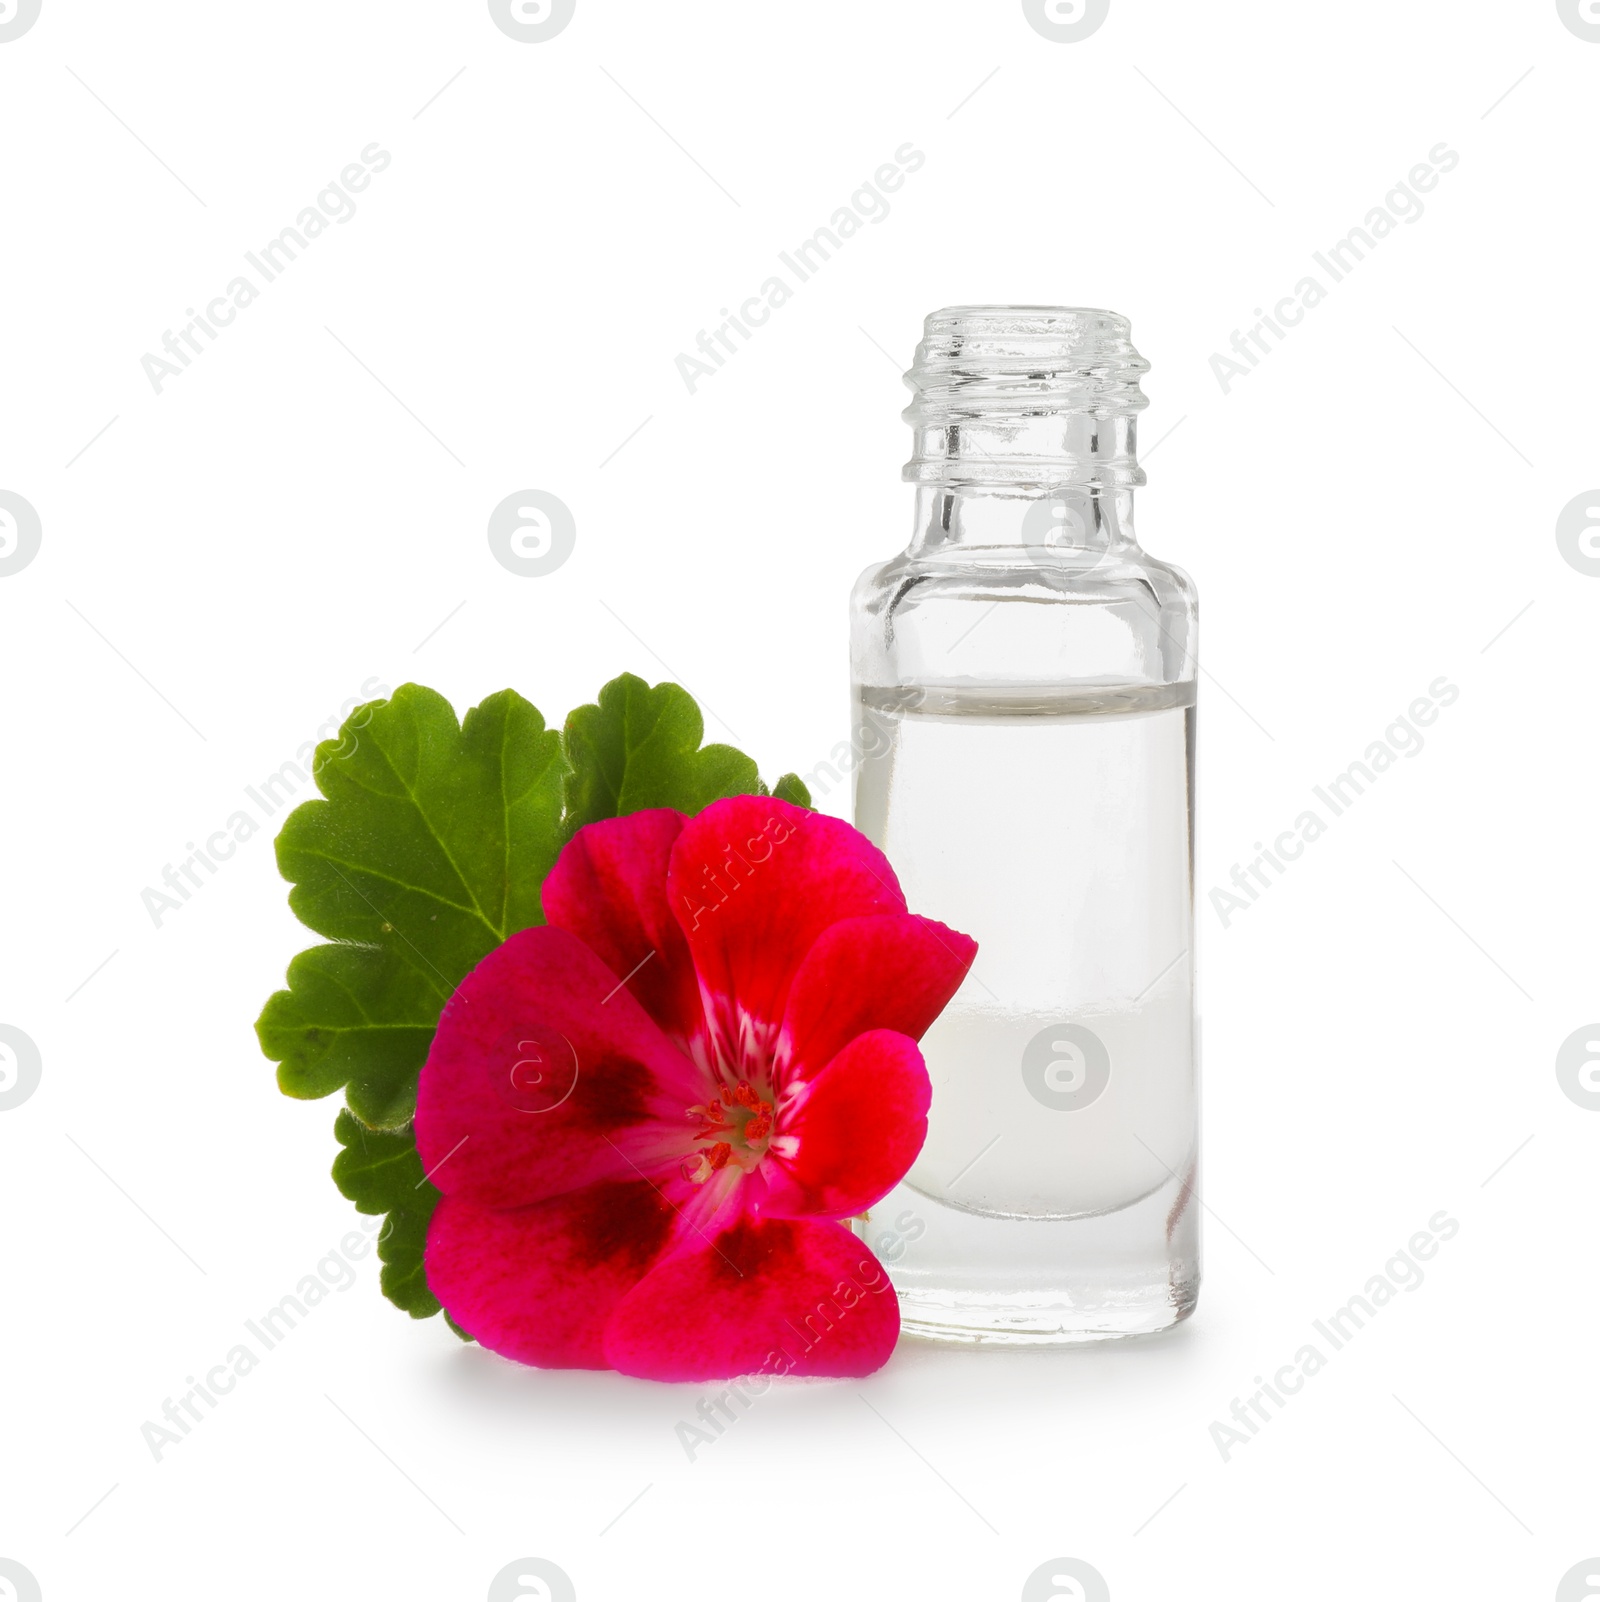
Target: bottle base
x,y
972,1280
987,1322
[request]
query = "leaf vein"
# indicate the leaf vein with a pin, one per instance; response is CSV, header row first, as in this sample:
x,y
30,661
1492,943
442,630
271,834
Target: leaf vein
x,y
415,799
473,911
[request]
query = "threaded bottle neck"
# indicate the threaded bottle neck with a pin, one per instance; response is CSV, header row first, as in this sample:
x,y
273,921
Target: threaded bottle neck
x,y
1026,396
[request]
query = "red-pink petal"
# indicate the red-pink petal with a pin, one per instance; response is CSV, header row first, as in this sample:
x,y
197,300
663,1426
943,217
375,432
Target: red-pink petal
x,y
539,1283
895,972
754,881
545,1075
772,1296
858,1129
609,888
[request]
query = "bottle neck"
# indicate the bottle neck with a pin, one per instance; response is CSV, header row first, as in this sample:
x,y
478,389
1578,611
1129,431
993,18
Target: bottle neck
x,y
1025,422
957,519
989,431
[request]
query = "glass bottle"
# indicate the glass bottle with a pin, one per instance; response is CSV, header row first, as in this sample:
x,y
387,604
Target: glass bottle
x,y
1024,723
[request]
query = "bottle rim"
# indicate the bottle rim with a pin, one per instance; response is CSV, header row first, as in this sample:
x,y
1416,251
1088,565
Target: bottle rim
x,y
1025,394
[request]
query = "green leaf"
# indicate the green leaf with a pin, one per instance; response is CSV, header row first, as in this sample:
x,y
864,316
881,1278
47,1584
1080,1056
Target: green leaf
x,y
789,788
353,1016
380,1171
429,850
640,747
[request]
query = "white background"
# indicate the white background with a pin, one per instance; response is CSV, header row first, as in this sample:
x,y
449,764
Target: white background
x,y
230,560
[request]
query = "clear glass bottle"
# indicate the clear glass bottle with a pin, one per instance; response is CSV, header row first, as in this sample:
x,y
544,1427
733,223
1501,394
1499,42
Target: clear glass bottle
x,y
1024,680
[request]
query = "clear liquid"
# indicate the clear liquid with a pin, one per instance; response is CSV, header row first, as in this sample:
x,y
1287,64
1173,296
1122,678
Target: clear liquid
x,y
1056,828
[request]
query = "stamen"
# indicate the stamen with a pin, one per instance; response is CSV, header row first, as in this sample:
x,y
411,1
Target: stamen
x,y
711,1116
726,1134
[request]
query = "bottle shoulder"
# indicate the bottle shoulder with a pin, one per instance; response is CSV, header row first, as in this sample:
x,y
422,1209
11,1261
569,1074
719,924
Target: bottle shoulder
x,y
1014,614
1041,577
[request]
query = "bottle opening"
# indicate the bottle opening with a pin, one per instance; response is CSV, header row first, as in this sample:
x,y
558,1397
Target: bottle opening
x,y
1026,395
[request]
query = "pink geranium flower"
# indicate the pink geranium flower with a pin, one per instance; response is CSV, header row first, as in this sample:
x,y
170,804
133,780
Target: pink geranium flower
x,y
648,1116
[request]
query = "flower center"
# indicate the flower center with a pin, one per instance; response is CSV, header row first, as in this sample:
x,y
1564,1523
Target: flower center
x,y
736,1126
